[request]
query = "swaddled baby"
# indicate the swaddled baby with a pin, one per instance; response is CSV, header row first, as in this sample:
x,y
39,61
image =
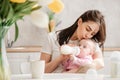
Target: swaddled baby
x,y
80,55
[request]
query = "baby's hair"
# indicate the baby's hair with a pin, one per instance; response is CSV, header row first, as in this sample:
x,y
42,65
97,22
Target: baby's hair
x,y
93,42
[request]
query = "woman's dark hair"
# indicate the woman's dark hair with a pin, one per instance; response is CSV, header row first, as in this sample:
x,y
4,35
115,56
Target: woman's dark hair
x,y
90,15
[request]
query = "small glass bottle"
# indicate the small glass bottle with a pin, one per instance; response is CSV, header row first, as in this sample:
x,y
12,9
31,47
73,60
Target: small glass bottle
x,y
92,74
66,49
115,62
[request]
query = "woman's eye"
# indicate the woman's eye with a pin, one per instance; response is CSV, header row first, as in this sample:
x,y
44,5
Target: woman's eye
x,y
88,29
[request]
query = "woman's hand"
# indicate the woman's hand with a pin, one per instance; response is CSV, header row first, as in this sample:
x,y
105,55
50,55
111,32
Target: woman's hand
x,y
83,69
64,57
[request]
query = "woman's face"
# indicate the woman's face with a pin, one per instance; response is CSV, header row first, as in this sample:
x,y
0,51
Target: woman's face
x,y
86,30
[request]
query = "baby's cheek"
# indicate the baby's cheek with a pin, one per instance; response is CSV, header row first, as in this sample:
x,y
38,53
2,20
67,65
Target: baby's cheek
x,y
83,53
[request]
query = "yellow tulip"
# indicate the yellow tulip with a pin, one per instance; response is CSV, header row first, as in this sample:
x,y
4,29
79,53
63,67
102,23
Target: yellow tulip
x,y
51,25
56,6
18,1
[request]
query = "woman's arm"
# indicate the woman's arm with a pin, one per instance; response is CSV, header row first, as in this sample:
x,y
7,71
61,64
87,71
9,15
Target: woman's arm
x,y
98,61
50,66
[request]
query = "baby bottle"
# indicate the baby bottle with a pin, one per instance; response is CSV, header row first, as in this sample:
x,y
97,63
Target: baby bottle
x,y
66,49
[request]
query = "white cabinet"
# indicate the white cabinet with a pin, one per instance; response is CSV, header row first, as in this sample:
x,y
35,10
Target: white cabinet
x,y
16,59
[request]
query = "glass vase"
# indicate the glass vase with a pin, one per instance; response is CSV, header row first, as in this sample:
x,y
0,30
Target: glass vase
x,y
4,65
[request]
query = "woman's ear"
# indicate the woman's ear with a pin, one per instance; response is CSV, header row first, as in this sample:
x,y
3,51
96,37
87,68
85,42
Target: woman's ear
x,y
79,21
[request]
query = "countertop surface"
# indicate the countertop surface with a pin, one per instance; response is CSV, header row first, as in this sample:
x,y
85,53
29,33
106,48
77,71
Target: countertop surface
x,y
24,49
63,76
38,49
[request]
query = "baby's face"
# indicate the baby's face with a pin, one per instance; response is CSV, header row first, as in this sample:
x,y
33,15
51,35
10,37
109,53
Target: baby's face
x,y
86,47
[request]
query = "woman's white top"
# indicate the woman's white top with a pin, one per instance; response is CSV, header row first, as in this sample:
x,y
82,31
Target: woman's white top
x,y
52,47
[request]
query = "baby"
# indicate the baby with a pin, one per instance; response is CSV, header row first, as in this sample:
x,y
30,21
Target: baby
x,y
86,50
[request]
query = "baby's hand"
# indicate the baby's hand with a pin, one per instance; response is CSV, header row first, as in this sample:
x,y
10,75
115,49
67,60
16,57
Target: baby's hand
x,y
64,57
71,57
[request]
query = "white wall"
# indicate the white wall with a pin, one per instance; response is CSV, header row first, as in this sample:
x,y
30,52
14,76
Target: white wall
x,y
30,35
110,9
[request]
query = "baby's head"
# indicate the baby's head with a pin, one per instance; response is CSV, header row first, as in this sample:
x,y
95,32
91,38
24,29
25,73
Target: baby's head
x,y
87,47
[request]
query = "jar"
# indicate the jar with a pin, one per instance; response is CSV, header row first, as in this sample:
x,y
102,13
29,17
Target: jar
x,y
115,64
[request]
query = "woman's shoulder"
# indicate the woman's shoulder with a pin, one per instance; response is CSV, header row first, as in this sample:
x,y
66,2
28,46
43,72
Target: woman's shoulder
x,y
52,35
53,38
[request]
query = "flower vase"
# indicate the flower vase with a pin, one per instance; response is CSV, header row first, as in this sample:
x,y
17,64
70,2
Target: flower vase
x,y
10,12
4,65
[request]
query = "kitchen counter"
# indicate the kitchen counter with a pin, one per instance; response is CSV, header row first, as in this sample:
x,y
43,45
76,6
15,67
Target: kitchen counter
x,y
38,48
63,76
24,49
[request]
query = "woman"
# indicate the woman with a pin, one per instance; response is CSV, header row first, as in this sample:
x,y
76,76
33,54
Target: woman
x,y
90,25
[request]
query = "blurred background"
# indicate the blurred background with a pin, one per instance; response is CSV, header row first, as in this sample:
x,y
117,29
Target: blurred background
x,y
32,35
